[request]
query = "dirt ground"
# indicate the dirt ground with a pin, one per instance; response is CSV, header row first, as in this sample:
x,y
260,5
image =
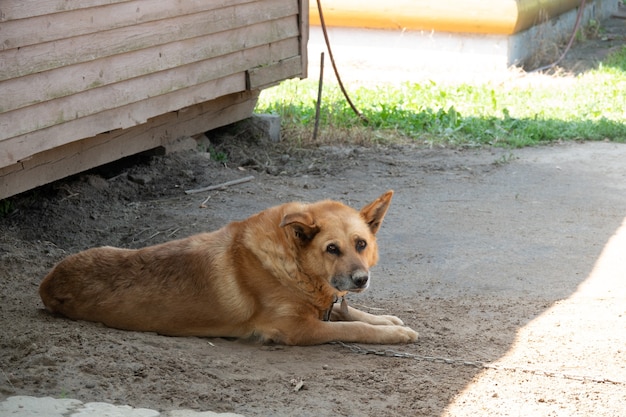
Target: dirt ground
x,y
504,261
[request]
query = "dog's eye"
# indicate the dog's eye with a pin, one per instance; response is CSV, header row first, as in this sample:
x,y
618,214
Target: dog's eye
x,y
333,249
360,245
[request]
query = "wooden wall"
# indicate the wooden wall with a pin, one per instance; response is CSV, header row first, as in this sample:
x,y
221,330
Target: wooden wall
x,y
119,77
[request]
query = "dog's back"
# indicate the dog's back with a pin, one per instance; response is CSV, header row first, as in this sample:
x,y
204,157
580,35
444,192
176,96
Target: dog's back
x,y
208,284
149,289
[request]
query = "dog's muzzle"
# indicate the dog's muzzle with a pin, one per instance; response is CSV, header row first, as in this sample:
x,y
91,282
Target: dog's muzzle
x,y
356,282
361,280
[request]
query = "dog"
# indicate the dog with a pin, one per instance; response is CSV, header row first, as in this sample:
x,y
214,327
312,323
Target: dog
x,y
273,278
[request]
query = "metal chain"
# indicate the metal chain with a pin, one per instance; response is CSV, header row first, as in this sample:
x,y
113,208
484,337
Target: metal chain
x,y
390,353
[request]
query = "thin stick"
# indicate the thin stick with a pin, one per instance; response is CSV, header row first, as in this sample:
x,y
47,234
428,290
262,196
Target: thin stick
x,y
319,97
203,204
218,186
332,61
7,378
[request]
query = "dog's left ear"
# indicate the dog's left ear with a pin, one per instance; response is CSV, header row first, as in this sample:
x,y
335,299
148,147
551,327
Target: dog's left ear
x,y
375,211
302,224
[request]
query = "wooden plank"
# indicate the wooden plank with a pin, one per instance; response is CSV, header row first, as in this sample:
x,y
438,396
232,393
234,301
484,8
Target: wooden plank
x,y
51,27
97,100
20,9
213,114
78,156
283,49
42,57
304,35
265,76
65,81
22,147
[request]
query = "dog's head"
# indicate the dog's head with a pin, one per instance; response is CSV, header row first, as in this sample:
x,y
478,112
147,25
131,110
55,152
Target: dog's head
x,y
337,242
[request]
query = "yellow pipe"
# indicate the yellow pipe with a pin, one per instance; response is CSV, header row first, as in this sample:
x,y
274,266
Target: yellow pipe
x,y
531,12
470,16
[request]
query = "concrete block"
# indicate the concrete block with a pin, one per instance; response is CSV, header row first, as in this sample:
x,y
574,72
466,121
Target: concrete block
x,y
204,144
266,126
524,45
183,143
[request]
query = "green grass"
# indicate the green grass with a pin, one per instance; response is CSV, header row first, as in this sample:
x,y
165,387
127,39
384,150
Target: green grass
x,y
591,106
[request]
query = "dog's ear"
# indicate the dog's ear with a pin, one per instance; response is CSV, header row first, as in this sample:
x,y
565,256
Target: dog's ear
x,y
375,211
303,225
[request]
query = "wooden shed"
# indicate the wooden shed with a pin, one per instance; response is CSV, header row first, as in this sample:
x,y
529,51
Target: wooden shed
x,y
86,82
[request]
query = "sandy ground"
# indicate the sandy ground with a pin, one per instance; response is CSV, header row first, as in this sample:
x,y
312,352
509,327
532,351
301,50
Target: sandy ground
x,y
510,264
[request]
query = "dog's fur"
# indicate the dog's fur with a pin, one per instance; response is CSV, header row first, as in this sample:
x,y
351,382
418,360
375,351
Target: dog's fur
x,y
271,277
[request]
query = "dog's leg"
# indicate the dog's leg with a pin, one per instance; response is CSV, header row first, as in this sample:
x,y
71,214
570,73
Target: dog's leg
x,y
317,332
343,312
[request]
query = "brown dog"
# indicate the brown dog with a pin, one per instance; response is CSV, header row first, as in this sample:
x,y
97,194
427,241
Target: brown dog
x,y
274,277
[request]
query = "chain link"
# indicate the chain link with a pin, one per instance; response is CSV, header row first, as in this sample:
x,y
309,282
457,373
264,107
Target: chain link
x,y
390,353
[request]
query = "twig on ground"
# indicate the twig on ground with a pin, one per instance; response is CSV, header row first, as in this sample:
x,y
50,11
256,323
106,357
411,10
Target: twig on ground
x,y
7,378
218,186
206,200
297,384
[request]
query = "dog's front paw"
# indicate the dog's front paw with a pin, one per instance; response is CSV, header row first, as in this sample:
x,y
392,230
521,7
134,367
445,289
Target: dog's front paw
x,y
400,334
408,335
392,320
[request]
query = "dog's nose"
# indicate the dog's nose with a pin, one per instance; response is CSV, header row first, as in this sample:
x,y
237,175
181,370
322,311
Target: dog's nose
x,y
360,279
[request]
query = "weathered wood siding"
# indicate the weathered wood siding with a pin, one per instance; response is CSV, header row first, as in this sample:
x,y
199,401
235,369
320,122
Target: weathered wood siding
x,y
72,70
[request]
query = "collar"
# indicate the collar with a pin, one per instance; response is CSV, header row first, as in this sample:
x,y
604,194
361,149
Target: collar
x,y
329,311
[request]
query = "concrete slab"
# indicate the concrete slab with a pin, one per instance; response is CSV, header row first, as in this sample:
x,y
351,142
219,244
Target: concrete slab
x,y
27,406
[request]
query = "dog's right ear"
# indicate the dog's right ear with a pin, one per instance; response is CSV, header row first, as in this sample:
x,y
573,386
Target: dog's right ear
x,y
374,212
303,225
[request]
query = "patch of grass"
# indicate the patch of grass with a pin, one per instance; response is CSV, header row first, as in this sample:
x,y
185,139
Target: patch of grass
x,y
591,106
505,159
6,208
218,156
616,61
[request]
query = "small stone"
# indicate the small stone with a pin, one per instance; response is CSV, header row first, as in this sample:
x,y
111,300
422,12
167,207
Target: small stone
x,y
140,179
187,173
97,182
